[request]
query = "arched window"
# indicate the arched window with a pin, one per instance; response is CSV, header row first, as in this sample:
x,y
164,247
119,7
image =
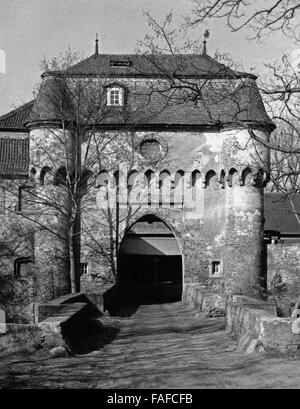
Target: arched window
x,y
133,187
179,188
233,177
148,183
115,185
149,174
258,177
84,182
102,179
116,179
60,176
247,176
211,179
115,96
44,175
222,179
32,174
164,188
132,180
195,184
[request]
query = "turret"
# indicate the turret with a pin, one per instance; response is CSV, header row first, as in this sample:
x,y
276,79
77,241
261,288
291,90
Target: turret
x,y
247,163
52,204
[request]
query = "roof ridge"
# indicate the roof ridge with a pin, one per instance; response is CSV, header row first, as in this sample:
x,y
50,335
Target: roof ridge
x,y
18,109
96,58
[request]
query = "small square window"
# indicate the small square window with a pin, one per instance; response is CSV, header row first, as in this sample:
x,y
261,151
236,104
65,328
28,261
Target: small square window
x,y
216,268
84,268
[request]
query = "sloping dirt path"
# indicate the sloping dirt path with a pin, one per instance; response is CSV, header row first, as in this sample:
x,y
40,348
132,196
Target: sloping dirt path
x,y
155,346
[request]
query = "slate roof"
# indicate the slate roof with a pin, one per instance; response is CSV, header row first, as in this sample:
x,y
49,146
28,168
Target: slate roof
x,y
281,213
132,65
15,119
14,157
14,150
225,96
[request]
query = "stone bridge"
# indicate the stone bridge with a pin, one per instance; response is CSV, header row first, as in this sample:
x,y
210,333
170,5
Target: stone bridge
x,y
160,345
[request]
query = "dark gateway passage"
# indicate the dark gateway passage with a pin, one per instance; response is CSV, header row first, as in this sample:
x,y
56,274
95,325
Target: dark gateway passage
x,y
150,263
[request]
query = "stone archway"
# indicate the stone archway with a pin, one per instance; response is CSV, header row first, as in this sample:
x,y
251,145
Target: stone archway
x,y
150,261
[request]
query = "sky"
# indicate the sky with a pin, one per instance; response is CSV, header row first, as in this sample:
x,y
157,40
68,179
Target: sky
x,y
33,29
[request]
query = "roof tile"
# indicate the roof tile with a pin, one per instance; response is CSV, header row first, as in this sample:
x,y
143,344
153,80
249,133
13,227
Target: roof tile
x,y
198,65
15,119
14,157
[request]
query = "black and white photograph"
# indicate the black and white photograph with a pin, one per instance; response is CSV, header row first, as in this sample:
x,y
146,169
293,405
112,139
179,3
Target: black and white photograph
x,y
149,197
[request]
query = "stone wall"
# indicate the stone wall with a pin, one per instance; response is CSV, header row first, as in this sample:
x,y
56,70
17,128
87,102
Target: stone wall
x,y
20,336
204,300
284,259
252,321
66,321
258,328
18,299
224,223
54,306
65,326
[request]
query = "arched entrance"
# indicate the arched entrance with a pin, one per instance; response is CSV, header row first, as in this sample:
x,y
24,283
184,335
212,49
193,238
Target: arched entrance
x,y
150,262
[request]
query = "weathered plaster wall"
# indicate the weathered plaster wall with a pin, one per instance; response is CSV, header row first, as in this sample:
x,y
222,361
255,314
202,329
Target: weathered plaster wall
x,y
51,148
220,219
225,223
244,240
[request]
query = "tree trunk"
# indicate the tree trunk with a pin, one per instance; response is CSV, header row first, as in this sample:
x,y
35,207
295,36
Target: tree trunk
x,y
72,261
111,243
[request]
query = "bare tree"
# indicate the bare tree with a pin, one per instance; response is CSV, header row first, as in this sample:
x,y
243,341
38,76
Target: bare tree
x,y
70,149
280,87
268,16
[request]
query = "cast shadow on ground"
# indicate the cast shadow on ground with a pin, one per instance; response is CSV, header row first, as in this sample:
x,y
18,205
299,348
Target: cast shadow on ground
x,y
123,300
94,337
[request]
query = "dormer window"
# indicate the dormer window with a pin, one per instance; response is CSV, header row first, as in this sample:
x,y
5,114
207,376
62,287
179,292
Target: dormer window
x,y
120,63
115,96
